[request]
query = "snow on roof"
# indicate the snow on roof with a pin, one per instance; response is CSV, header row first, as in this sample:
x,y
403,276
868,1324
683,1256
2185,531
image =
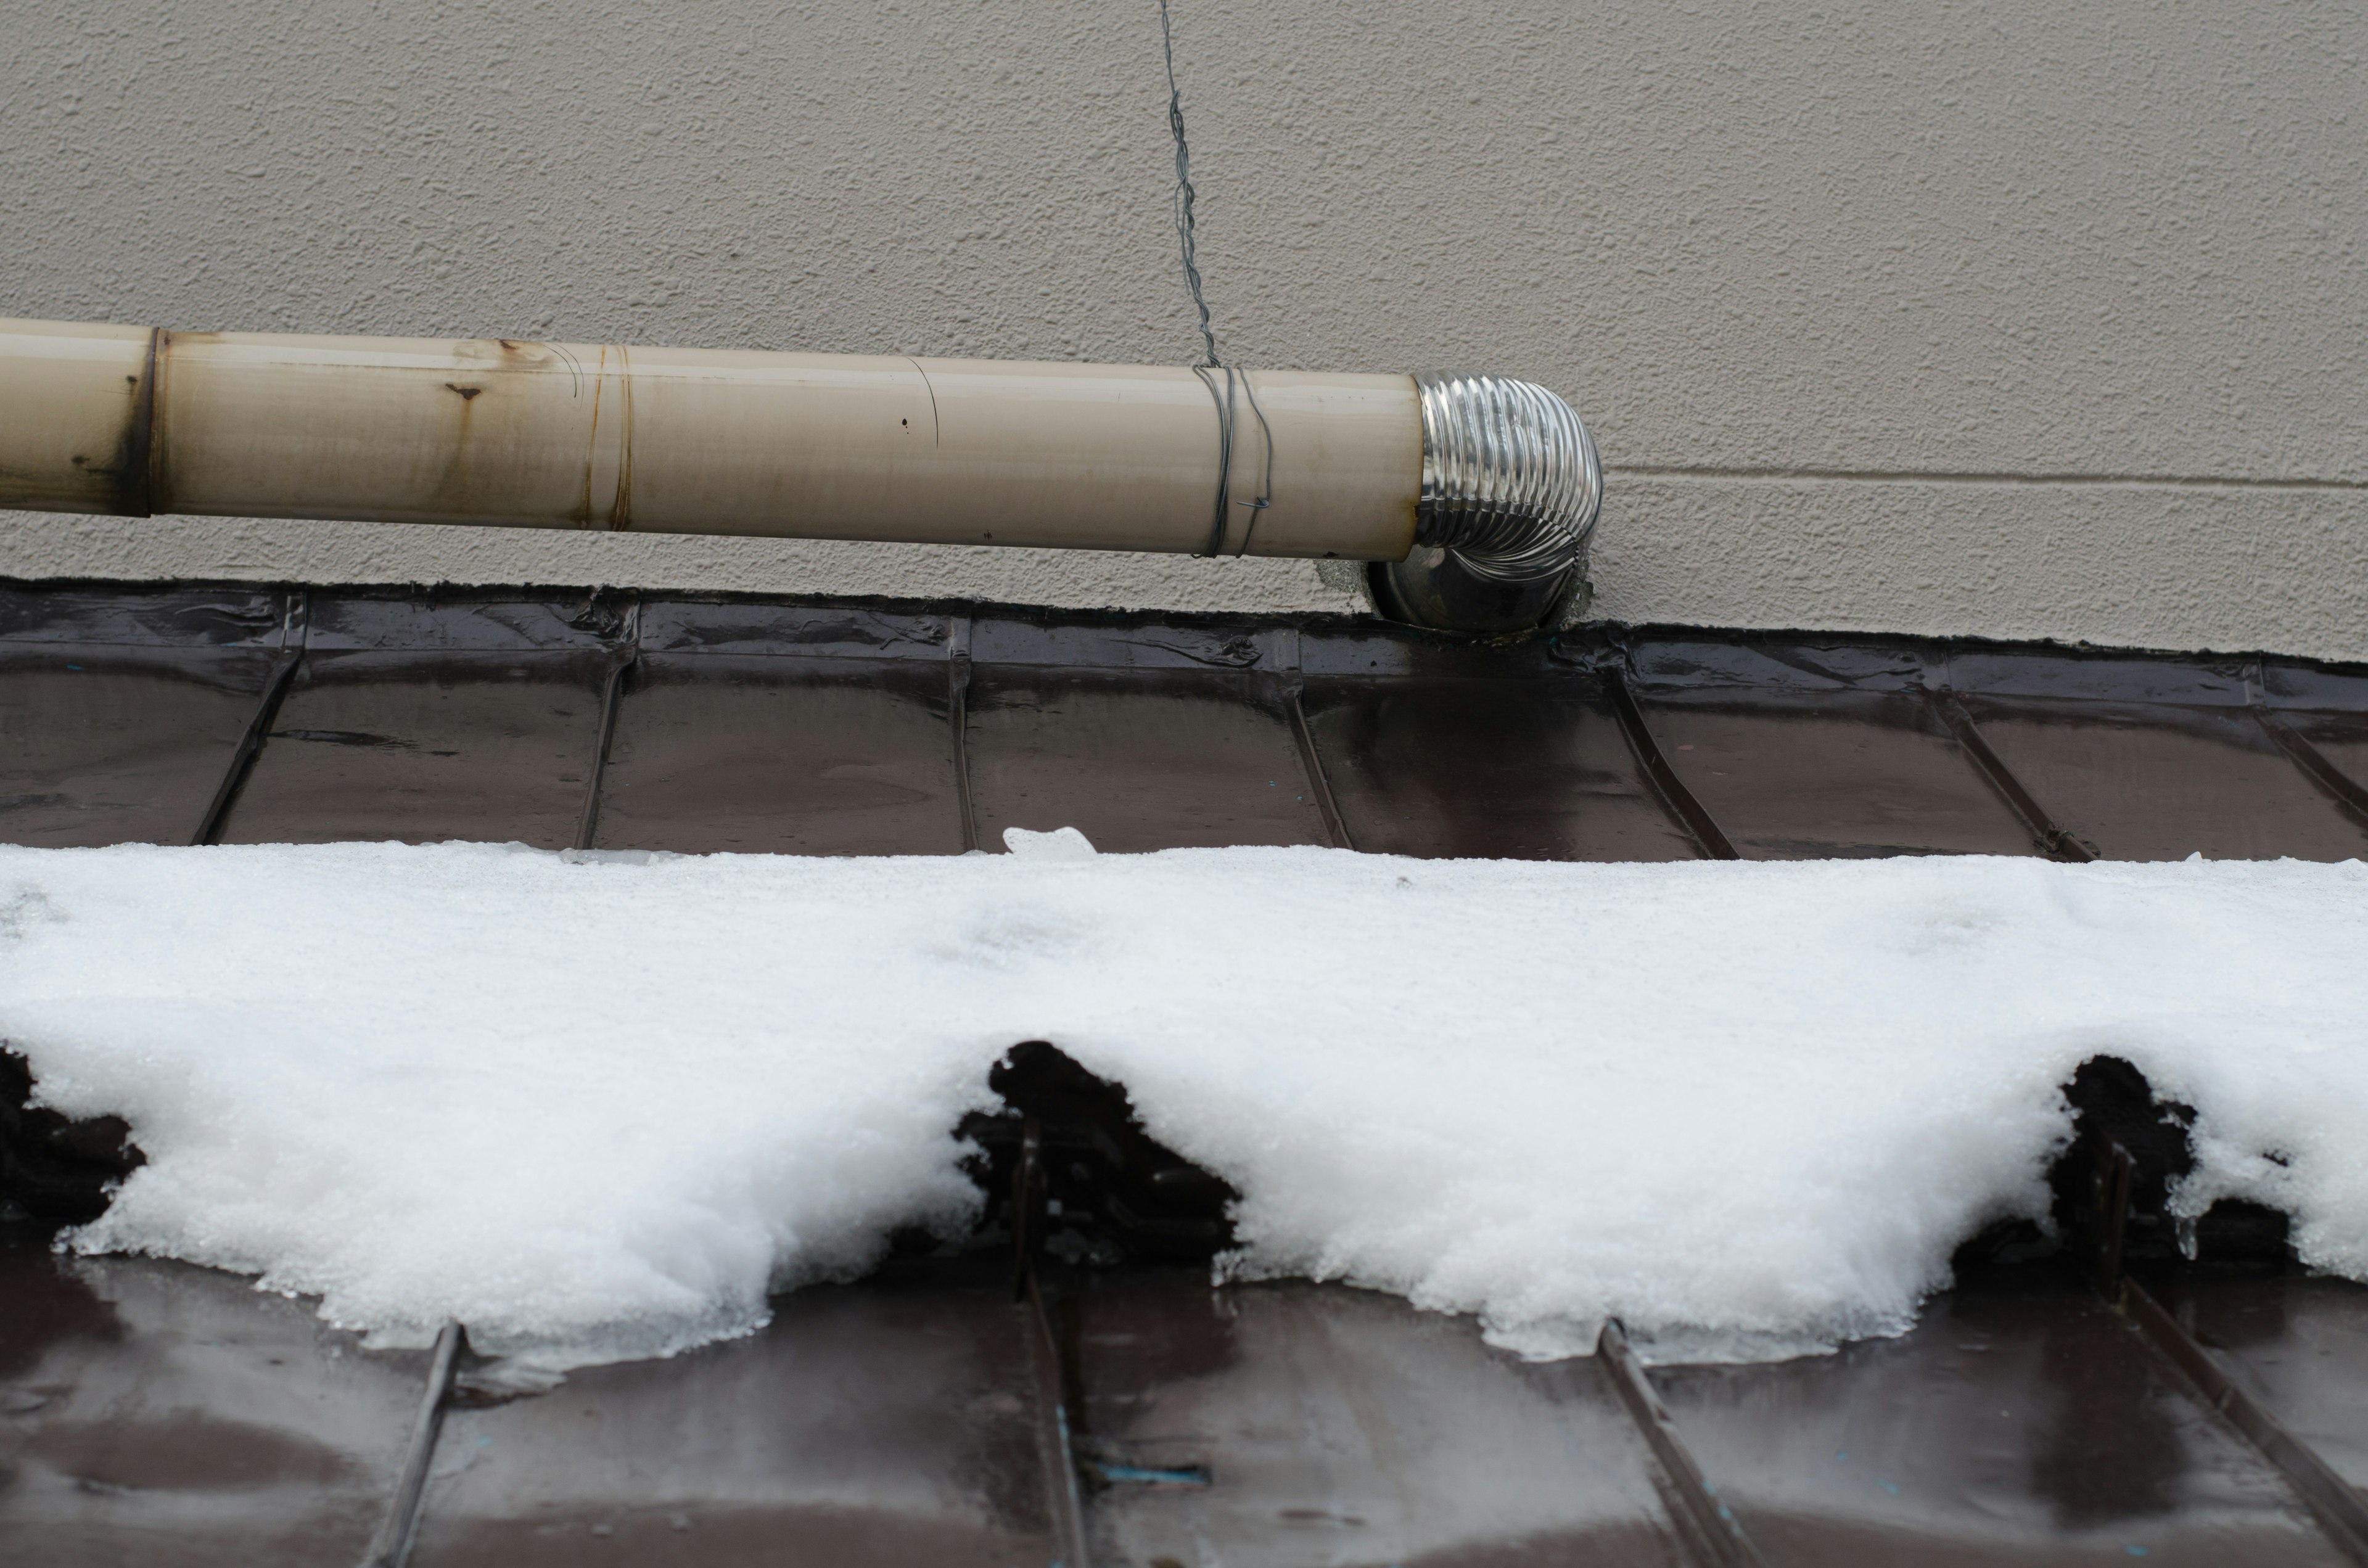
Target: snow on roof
x,y
598,1107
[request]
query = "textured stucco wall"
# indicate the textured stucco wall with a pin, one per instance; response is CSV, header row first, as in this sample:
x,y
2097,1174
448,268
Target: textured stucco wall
x,y
2020,320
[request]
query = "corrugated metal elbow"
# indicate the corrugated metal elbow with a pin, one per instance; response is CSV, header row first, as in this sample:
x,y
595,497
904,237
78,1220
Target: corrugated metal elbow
x,y
1510,482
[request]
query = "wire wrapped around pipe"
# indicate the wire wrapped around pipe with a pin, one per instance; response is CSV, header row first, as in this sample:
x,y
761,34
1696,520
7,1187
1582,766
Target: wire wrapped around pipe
x,y
1510,482
1223,522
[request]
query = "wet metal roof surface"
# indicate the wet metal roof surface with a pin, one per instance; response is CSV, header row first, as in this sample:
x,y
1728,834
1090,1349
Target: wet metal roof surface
x,y
160,1413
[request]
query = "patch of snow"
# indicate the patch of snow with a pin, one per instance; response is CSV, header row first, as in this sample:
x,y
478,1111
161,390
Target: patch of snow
x,y
599,1107
1060,843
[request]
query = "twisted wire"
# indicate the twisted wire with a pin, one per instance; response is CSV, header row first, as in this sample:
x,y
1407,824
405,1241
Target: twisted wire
x,y
1210,365
1182,200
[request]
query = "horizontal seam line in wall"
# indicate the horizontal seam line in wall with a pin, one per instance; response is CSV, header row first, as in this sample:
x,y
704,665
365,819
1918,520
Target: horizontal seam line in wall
x,y
1912,476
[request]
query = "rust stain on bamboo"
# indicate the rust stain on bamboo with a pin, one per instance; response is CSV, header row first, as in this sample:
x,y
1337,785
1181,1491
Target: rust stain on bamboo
x,y
592,442
162,344
621,509
459,489
122,481
480,469
621,500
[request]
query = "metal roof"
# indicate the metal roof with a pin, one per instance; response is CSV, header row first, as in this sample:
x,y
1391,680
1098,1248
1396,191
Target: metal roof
x,y
158,1412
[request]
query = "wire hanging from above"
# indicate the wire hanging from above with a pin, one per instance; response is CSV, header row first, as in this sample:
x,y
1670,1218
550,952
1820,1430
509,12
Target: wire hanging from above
x,y
1211,366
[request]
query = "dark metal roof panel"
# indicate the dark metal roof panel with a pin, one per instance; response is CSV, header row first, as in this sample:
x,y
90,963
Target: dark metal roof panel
x,y
1443,767
1158,758
2161,782
781,754
874,1426
427,744
2032,1427
1846,773
156,1412
1292,1423
111,744
2297,1345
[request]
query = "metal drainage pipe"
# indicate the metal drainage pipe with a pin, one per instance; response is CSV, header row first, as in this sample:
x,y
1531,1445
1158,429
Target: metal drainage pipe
x,y
1475,494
